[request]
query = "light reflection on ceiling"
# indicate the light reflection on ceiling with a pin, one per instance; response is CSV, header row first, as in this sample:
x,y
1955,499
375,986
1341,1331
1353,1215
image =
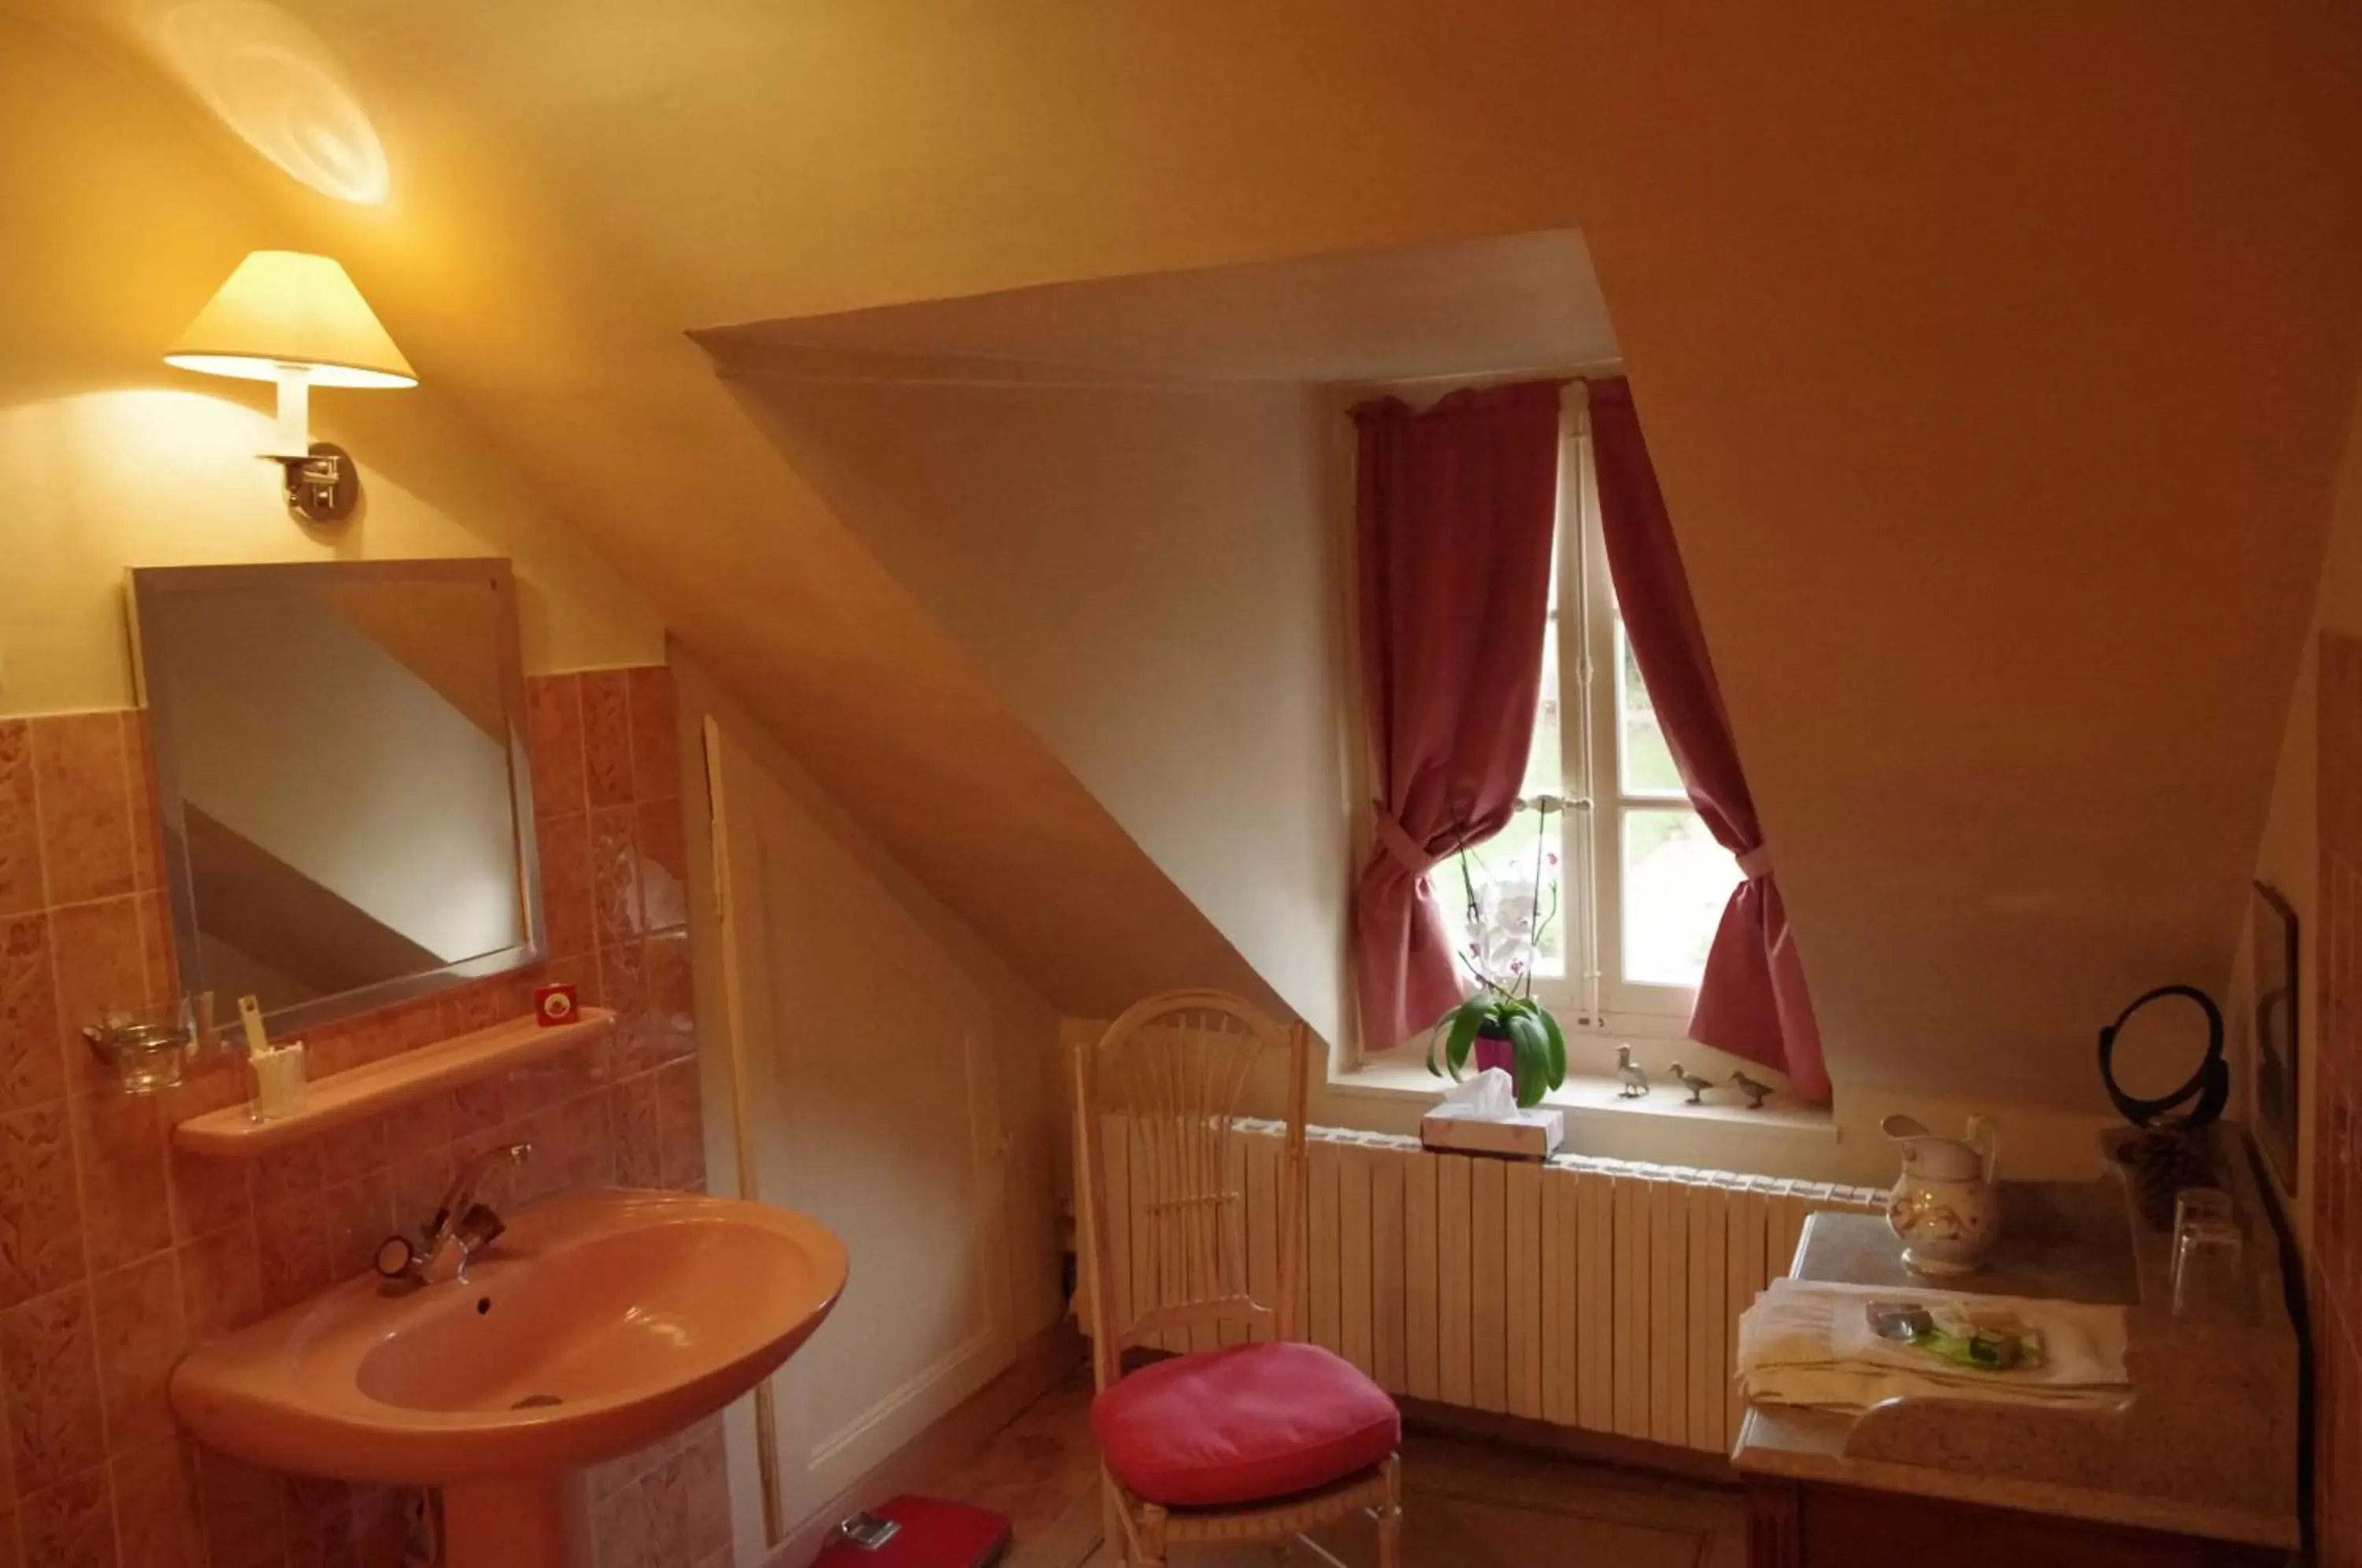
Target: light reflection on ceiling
x,y
274,82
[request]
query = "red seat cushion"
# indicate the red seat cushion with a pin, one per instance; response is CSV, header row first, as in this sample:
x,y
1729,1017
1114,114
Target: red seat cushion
x,y
1242,1425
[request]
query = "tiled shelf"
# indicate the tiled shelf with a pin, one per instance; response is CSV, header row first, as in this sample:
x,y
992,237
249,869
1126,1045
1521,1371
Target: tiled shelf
x,y
341,1100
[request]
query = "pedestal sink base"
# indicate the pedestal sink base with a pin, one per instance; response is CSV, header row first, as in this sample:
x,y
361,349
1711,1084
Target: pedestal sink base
x,y
520,1521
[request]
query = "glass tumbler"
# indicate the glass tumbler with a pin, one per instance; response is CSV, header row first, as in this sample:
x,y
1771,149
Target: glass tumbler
x,y
2210,1267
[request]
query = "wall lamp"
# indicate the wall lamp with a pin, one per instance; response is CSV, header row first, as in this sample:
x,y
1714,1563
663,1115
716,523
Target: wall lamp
x,y
297,320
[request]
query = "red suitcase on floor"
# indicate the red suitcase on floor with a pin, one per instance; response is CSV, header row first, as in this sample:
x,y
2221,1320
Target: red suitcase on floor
x,y
925,1533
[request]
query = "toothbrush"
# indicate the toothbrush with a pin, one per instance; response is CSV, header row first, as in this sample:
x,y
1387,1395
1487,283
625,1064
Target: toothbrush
x,y
250,1013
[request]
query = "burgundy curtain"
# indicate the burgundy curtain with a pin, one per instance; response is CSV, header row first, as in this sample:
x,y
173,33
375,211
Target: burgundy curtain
x,y
1456,512
1752,1002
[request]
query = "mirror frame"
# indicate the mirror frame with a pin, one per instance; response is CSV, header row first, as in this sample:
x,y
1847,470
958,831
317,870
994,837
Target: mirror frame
x,y
151,585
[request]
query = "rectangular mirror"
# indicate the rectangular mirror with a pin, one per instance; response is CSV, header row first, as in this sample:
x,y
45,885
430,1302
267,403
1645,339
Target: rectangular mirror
x,y
340,768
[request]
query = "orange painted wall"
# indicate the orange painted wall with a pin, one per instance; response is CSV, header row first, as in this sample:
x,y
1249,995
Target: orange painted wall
x,y
1997,360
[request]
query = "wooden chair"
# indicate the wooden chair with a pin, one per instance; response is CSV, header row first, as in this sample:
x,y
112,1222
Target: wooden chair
x,y
1178,1068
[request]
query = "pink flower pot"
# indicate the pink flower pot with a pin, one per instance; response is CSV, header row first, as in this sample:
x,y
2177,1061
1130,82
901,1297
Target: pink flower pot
x,y
1491,1053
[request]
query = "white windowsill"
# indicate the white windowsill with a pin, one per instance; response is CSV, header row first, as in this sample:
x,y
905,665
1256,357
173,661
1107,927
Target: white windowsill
x,y
1402,1075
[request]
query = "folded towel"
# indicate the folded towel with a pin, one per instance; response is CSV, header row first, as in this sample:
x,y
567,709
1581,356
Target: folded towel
x,y
1809,1343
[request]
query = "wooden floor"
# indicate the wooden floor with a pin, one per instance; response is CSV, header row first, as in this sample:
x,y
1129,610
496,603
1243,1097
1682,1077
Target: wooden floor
x,y
1468,1504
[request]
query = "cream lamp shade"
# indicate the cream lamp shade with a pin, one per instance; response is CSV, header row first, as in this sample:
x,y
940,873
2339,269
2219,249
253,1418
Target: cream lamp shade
x,y
283,310
297,320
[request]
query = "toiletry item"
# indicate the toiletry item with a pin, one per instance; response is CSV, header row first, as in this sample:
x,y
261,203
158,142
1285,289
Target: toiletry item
x,y
249,1017
1482,1117
555,1005
1989,1346
1944,1205
1904,1320
278,1081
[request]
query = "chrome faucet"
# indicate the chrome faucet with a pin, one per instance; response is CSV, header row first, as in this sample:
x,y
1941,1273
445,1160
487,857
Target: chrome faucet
x,y
460,1222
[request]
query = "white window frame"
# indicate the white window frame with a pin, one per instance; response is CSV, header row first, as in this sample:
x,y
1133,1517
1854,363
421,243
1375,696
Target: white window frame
x,y
1592,996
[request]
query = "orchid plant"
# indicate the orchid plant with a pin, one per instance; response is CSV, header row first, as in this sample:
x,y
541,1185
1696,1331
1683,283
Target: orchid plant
x,y
1505,923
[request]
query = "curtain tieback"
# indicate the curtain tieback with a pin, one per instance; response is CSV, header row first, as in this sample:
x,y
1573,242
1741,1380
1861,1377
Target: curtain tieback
x,y
1756,863
1398,842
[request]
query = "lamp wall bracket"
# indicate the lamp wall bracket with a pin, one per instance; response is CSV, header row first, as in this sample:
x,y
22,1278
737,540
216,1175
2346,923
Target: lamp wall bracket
x,y
324,485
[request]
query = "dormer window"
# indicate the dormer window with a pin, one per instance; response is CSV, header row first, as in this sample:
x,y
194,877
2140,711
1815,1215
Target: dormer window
x,y
1605,857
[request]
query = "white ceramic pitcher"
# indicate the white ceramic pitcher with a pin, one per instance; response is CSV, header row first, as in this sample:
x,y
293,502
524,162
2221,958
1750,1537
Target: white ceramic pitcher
x,y
1944,1205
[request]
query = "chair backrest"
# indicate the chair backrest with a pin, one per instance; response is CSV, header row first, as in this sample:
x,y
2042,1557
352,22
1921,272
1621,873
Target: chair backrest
x,y
1175,1069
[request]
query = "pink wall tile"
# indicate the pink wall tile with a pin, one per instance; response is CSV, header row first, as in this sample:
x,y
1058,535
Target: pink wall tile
x,y
417,1183
221,1281
614,875
568,916
607,737
49,1364
639,1144
623,985
116,1250
358,1216
292,1244
20,826
158,965
40,1204
681,1127
655,754
554,741
69,1525
244,1511
101,962
139,781
663,865
421,1128
141,1332
119,1153
159,1519
207,1195
672,996
706,1470
32,1059
81,781
646,1524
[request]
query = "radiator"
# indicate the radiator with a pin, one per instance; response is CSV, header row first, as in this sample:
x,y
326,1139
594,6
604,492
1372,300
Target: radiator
x,y
1595,1294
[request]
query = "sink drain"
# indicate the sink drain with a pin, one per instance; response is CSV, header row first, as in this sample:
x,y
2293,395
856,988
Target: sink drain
x,y
536,1402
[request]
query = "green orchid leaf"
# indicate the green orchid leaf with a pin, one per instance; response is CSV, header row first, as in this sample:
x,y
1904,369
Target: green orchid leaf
x,y
1530,1049
1465,1022
1557,1037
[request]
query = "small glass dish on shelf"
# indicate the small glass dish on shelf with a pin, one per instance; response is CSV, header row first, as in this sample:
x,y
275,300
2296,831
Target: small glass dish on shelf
x,y
149,1044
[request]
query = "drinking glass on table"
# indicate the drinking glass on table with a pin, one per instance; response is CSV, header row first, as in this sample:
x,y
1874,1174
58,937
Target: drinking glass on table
x,y
2210,1268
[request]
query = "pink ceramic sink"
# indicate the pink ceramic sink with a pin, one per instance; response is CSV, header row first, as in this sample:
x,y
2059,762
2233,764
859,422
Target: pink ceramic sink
x,y
597,1323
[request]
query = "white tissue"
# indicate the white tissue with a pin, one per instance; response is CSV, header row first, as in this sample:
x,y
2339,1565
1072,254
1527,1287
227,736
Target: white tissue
x,y
1490,1095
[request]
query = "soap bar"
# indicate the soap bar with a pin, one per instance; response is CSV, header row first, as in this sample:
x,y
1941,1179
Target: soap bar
x,y
278,1081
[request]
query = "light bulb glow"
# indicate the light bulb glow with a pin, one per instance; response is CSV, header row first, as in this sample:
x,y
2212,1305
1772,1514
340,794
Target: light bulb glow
x,y
274,82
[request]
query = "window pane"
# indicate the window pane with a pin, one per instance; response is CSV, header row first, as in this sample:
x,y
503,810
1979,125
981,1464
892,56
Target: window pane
x,y
1544,761
1676,881
1514,880
1646,764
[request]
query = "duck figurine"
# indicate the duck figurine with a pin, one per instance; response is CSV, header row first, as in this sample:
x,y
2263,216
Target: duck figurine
x,y
1692,1082
1756,1093
1636,1077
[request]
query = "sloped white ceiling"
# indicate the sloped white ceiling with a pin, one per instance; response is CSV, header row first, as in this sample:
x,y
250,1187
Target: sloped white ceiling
x,y
1520,301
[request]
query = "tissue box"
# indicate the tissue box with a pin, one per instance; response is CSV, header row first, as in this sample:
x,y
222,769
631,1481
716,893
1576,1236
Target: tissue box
x,y
1522,1135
